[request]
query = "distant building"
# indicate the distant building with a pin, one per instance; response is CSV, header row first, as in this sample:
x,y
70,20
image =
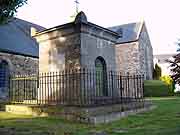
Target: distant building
x,y
161,60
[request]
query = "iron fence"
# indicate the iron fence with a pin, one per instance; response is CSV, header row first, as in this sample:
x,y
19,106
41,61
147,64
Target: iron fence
x,y
83,87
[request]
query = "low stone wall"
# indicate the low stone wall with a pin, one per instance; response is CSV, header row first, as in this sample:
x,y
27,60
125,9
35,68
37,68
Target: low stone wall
x,y
93,115
113,116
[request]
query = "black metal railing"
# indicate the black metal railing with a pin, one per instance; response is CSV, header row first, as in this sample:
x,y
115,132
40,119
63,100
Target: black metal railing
x,y
82,87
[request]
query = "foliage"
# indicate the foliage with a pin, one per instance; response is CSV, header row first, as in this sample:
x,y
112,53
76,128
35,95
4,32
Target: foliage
x,y
175,68
175,65
8,8
140,124
157,72
168,81
156,88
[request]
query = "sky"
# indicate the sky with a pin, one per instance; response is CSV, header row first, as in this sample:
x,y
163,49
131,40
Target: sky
x,y
161,17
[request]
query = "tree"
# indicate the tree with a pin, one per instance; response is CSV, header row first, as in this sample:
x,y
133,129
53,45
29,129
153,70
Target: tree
x,y
157,72
175,65
8,8
175,68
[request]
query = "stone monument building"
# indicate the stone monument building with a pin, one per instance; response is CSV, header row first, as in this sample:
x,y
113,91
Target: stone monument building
x,y
82,44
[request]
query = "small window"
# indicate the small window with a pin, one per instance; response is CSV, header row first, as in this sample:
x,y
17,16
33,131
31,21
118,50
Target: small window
x,y
4,74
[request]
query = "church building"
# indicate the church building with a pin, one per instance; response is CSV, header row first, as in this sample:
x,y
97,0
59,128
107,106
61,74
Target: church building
x,y
19,52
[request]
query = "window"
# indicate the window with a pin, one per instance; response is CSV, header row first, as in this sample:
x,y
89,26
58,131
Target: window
x,y
4,74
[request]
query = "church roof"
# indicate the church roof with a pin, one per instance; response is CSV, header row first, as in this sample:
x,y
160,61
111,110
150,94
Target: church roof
x,y
15,37
128,32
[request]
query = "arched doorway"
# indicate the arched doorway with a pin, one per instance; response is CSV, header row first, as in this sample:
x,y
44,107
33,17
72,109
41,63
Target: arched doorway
x,y
4,75
101,77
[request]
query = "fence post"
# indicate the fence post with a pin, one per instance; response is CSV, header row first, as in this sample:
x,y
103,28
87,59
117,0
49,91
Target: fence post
x,y
112,86
128,92
143,88
135,90
9,92
140,80
121,89
84,84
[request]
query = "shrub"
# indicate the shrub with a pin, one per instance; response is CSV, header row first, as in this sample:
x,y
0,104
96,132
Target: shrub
x,y
156,88
169,82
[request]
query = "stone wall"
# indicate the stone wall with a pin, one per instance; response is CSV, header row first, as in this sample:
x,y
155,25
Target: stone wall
x,y
59,50
76,46
97,43
127,59
17,64
137,56
94,43
146,54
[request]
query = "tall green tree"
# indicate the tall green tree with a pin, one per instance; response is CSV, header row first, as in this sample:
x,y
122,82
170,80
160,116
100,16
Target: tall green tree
x,y
157,72
8,8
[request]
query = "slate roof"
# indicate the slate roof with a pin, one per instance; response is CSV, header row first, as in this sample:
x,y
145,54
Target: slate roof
x,y
128,32
15,37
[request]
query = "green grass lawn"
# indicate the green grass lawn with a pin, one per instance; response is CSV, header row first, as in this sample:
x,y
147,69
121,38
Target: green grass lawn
x,y
164,120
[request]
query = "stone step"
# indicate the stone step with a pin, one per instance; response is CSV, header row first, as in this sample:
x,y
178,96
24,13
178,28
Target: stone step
x,y
34,110
117,115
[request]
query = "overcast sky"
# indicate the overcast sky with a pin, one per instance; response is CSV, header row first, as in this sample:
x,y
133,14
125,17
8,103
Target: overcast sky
x,y
162,17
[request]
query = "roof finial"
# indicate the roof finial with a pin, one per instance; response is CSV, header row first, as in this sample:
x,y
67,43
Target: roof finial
x,y
81,17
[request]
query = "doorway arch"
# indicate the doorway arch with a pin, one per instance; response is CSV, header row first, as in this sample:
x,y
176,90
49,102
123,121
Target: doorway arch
x,y
101,76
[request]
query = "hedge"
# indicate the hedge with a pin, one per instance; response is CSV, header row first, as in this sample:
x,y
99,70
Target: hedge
x,y
156,88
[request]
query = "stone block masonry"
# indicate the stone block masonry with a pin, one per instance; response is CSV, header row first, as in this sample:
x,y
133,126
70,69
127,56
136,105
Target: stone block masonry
x,y
16,64
20,64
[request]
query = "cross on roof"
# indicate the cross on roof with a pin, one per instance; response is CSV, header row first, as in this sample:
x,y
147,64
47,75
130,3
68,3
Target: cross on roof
x,y
77,8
